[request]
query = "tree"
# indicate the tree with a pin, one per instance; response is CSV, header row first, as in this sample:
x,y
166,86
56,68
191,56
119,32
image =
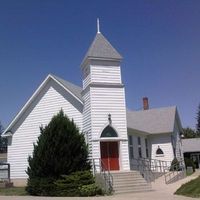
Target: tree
x,y
1,128
189,133
3,141
198,121
60,150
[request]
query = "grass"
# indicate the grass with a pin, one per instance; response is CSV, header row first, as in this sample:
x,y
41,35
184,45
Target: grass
x,y
190,189
13,191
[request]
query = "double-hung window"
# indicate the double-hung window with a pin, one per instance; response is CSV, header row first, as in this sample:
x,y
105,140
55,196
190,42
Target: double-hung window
x,y
131,152
147,148
139,148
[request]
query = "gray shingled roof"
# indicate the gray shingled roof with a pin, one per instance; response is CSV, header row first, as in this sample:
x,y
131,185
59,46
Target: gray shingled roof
x,y
191,145
76,90
152,121
101,48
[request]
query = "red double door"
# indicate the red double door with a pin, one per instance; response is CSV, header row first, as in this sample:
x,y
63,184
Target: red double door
x,y
110,155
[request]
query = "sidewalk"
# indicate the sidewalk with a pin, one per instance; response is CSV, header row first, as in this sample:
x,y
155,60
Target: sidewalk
x,y
161,191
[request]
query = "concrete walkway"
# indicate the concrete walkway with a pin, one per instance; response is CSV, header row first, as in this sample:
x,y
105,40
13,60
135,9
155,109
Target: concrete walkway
x,y
161,191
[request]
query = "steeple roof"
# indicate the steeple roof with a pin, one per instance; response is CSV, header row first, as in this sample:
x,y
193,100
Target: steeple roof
x,y
102,49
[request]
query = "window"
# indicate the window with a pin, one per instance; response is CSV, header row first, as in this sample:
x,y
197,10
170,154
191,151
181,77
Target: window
x,y
159,151
139,148
109,132
131,152
147,149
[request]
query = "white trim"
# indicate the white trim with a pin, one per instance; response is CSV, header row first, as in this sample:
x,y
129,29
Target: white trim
x,y
33,97
107,124
65,88
110,139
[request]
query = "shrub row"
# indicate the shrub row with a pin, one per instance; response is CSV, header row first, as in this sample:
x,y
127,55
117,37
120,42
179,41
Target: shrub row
x,y
79,183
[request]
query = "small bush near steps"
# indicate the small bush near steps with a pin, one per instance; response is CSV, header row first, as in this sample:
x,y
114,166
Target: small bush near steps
x,y
78,184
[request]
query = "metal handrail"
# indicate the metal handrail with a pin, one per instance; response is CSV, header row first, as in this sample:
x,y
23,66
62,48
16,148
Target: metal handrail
x,y
143,167
107,176
158,165
175,172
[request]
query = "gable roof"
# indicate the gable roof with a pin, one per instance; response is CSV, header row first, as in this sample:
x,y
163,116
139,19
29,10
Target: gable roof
x,y
152,121
101,48
74,90
191,145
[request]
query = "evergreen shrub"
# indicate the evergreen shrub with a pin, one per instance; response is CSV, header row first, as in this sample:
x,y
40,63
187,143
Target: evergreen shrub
x,y
59,165
175,165
77,184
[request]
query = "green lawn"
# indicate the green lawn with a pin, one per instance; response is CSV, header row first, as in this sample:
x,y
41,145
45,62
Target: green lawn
x,y
190,189
13,191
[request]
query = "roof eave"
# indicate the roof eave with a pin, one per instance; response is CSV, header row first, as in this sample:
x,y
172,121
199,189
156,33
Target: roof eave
x,y
20,113
138,131
90,58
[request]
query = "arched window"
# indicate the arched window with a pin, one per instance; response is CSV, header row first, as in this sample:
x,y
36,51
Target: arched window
x,y
108,132
159,151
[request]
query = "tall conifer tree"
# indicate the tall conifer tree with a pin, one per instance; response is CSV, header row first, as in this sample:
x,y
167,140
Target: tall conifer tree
x,y
60,150
198,121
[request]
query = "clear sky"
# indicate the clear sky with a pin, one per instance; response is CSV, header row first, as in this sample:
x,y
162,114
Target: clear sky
x,y
158,39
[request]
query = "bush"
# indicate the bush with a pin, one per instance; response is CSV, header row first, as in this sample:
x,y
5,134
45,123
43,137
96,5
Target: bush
x,y
189,163
41,187
175,165
90,190
77,184
60,150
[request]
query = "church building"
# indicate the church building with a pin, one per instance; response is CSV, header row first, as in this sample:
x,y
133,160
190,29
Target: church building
x,y
116,136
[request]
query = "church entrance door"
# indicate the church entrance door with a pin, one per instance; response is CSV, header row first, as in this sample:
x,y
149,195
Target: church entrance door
x,y
110,155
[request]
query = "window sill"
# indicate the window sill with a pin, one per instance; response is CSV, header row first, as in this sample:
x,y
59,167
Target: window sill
x,y
160,155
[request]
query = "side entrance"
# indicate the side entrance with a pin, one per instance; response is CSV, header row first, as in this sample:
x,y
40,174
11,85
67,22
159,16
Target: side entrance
x,y
110,155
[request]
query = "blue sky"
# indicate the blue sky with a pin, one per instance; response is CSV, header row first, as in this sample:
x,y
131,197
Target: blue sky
x,y
159,41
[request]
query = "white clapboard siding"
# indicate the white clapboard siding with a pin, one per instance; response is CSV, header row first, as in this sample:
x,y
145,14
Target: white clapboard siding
x,y
87,121
104,101
86,81
105,74
124,155
164,142
49,102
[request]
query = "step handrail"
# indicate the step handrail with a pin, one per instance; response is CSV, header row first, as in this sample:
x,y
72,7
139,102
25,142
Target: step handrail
x,y
143,167
158,165
104,172
176,172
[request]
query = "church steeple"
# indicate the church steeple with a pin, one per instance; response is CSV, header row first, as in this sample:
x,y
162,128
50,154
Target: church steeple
x,y
103,95
101,49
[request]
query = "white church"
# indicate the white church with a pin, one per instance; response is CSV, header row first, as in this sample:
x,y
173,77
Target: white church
x,y
115,134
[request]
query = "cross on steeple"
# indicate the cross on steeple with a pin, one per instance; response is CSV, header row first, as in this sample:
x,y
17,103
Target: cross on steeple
x,y
98,26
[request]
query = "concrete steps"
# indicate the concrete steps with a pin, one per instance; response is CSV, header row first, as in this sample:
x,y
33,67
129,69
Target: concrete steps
x,y
130,181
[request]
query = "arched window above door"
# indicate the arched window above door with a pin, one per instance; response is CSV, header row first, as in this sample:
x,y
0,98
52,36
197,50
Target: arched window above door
x,y
109,131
